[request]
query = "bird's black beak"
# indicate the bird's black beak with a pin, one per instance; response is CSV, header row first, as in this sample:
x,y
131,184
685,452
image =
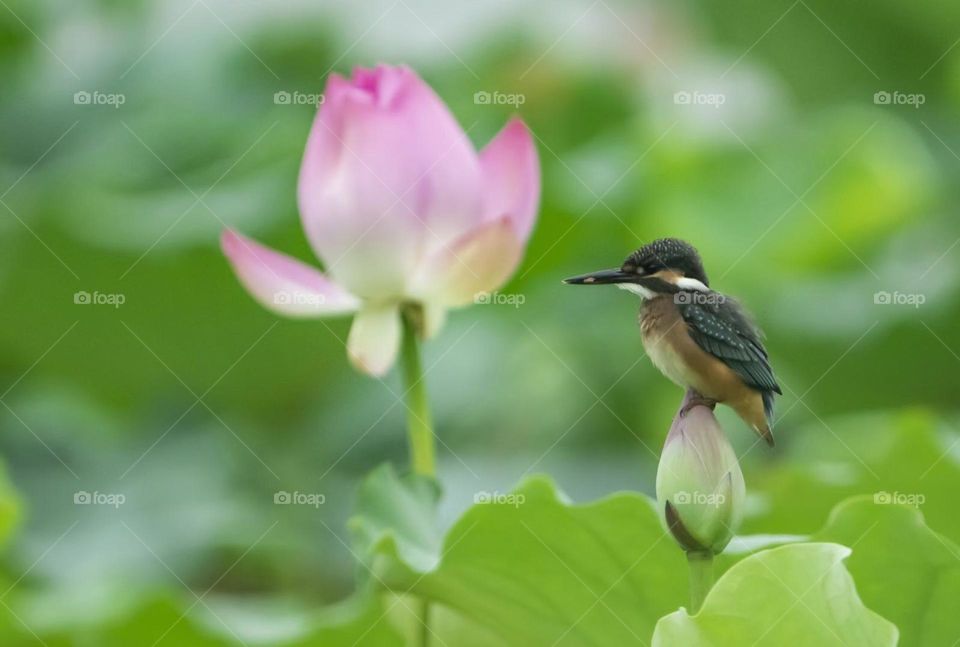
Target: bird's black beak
x,y
603,277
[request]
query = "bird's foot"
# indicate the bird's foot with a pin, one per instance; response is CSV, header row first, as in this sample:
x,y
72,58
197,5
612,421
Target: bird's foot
x,y
695,399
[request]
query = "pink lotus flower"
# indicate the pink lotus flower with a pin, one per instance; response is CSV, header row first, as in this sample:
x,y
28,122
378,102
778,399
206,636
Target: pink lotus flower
x,y
401,209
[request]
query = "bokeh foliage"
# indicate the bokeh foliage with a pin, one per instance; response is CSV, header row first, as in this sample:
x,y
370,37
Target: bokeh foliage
x,y
805,197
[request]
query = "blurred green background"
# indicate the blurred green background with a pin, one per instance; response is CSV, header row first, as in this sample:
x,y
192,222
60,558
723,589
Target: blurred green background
x,y
755,131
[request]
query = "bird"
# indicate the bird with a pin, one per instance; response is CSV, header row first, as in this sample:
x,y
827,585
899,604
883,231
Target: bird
x,y
702,340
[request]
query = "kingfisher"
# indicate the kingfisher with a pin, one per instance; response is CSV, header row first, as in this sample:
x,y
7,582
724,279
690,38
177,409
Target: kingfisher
x,y
702,340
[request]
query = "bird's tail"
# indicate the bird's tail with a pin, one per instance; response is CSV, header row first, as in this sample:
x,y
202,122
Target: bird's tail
x,y
768,406
757,412
768,414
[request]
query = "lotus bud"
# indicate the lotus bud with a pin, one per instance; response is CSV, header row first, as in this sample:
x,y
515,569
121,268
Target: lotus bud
x,y
700,488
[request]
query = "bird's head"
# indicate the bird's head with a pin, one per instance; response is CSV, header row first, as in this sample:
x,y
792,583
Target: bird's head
x,y
664,266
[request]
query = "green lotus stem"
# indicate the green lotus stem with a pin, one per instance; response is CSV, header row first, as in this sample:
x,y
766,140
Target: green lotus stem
x,y
419,427
419,422
701,578
425,626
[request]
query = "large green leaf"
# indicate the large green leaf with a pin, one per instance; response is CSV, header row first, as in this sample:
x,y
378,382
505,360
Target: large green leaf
x,y
163,621
396,516
798,595
402,612
903,570
166,621
398,511
538,570
900,452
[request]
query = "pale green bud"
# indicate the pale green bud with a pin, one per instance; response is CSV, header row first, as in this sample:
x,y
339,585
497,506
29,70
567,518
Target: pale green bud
x,y
700,488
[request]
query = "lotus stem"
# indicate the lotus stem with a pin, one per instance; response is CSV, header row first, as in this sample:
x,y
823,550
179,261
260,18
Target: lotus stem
x,y
701,578
419,421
